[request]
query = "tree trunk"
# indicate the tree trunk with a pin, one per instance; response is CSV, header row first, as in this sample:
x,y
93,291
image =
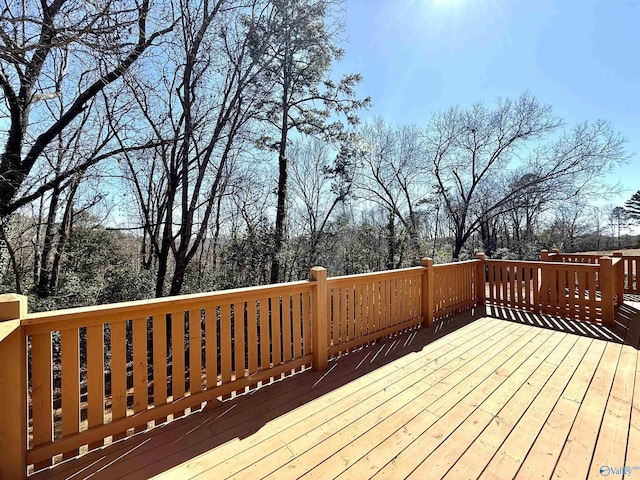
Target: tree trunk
x,y
282,199
489,237
391,242
458,244
178,276
63,236
44,277
12,257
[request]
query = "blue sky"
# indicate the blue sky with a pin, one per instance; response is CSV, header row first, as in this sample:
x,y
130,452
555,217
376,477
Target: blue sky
x,y
421,56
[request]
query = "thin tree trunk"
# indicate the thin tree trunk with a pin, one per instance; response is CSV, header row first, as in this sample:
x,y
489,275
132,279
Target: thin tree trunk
x,y
12,258
391,241
63,237
44,278
281,206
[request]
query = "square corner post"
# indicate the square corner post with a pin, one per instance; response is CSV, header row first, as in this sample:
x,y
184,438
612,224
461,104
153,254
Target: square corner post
x,y
607,291
619,268
319,318
427,291
13,379
480,280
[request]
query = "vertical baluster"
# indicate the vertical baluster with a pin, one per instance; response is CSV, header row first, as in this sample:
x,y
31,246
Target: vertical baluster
x,y
225,343
306,322
523,284
343,315
276,330
458,287
511,281
287,343
583,311
334,314
528,287
239,330
536,272
385,303
265,353
118,373
41,392
140,371
160,363
492,298
503,285
374,306
370,316
95,379
362,331
330,319
357,306
401,300
195,351
466,277
177,357
252,338
413,295
593,301
70,359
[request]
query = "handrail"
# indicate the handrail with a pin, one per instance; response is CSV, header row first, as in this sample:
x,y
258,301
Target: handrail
x,y
540,264
373,275
154,304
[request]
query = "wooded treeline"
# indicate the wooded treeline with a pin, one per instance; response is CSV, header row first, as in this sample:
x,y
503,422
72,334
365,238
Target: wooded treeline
x,y
156,148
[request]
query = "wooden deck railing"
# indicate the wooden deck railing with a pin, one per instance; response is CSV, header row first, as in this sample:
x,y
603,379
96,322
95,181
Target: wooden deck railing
x,y
627,266
75,379
566,290
454,287
363,308
163,356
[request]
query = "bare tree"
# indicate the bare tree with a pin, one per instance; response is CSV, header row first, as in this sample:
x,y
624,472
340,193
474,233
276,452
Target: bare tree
x,y
468,148
196,108
618,220
392,174
319,184
45,46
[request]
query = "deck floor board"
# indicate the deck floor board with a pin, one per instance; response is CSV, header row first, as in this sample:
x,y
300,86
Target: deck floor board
x,y
511,394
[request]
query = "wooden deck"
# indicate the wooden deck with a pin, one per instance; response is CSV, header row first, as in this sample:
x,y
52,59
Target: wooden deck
x,y
500,396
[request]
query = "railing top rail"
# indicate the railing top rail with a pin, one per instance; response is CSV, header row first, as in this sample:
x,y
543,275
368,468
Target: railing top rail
x,y
146,307
578,255
587,266
615,259
364,276
456,264
567,254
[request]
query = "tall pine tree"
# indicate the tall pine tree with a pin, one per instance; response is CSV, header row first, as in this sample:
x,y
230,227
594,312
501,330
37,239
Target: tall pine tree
x,y
633,206
302,38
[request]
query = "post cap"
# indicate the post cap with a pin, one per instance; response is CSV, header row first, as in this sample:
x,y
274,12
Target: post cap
x,y
426,261
13,306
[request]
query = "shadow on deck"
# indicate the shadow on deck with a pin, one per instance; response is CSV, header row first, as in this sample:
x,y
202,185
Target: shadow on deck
x,y
179,443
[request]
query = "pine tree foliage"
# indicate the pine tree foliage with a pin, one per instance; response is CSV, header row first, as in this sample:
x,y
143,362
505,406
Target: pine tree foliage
x,y
633,206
